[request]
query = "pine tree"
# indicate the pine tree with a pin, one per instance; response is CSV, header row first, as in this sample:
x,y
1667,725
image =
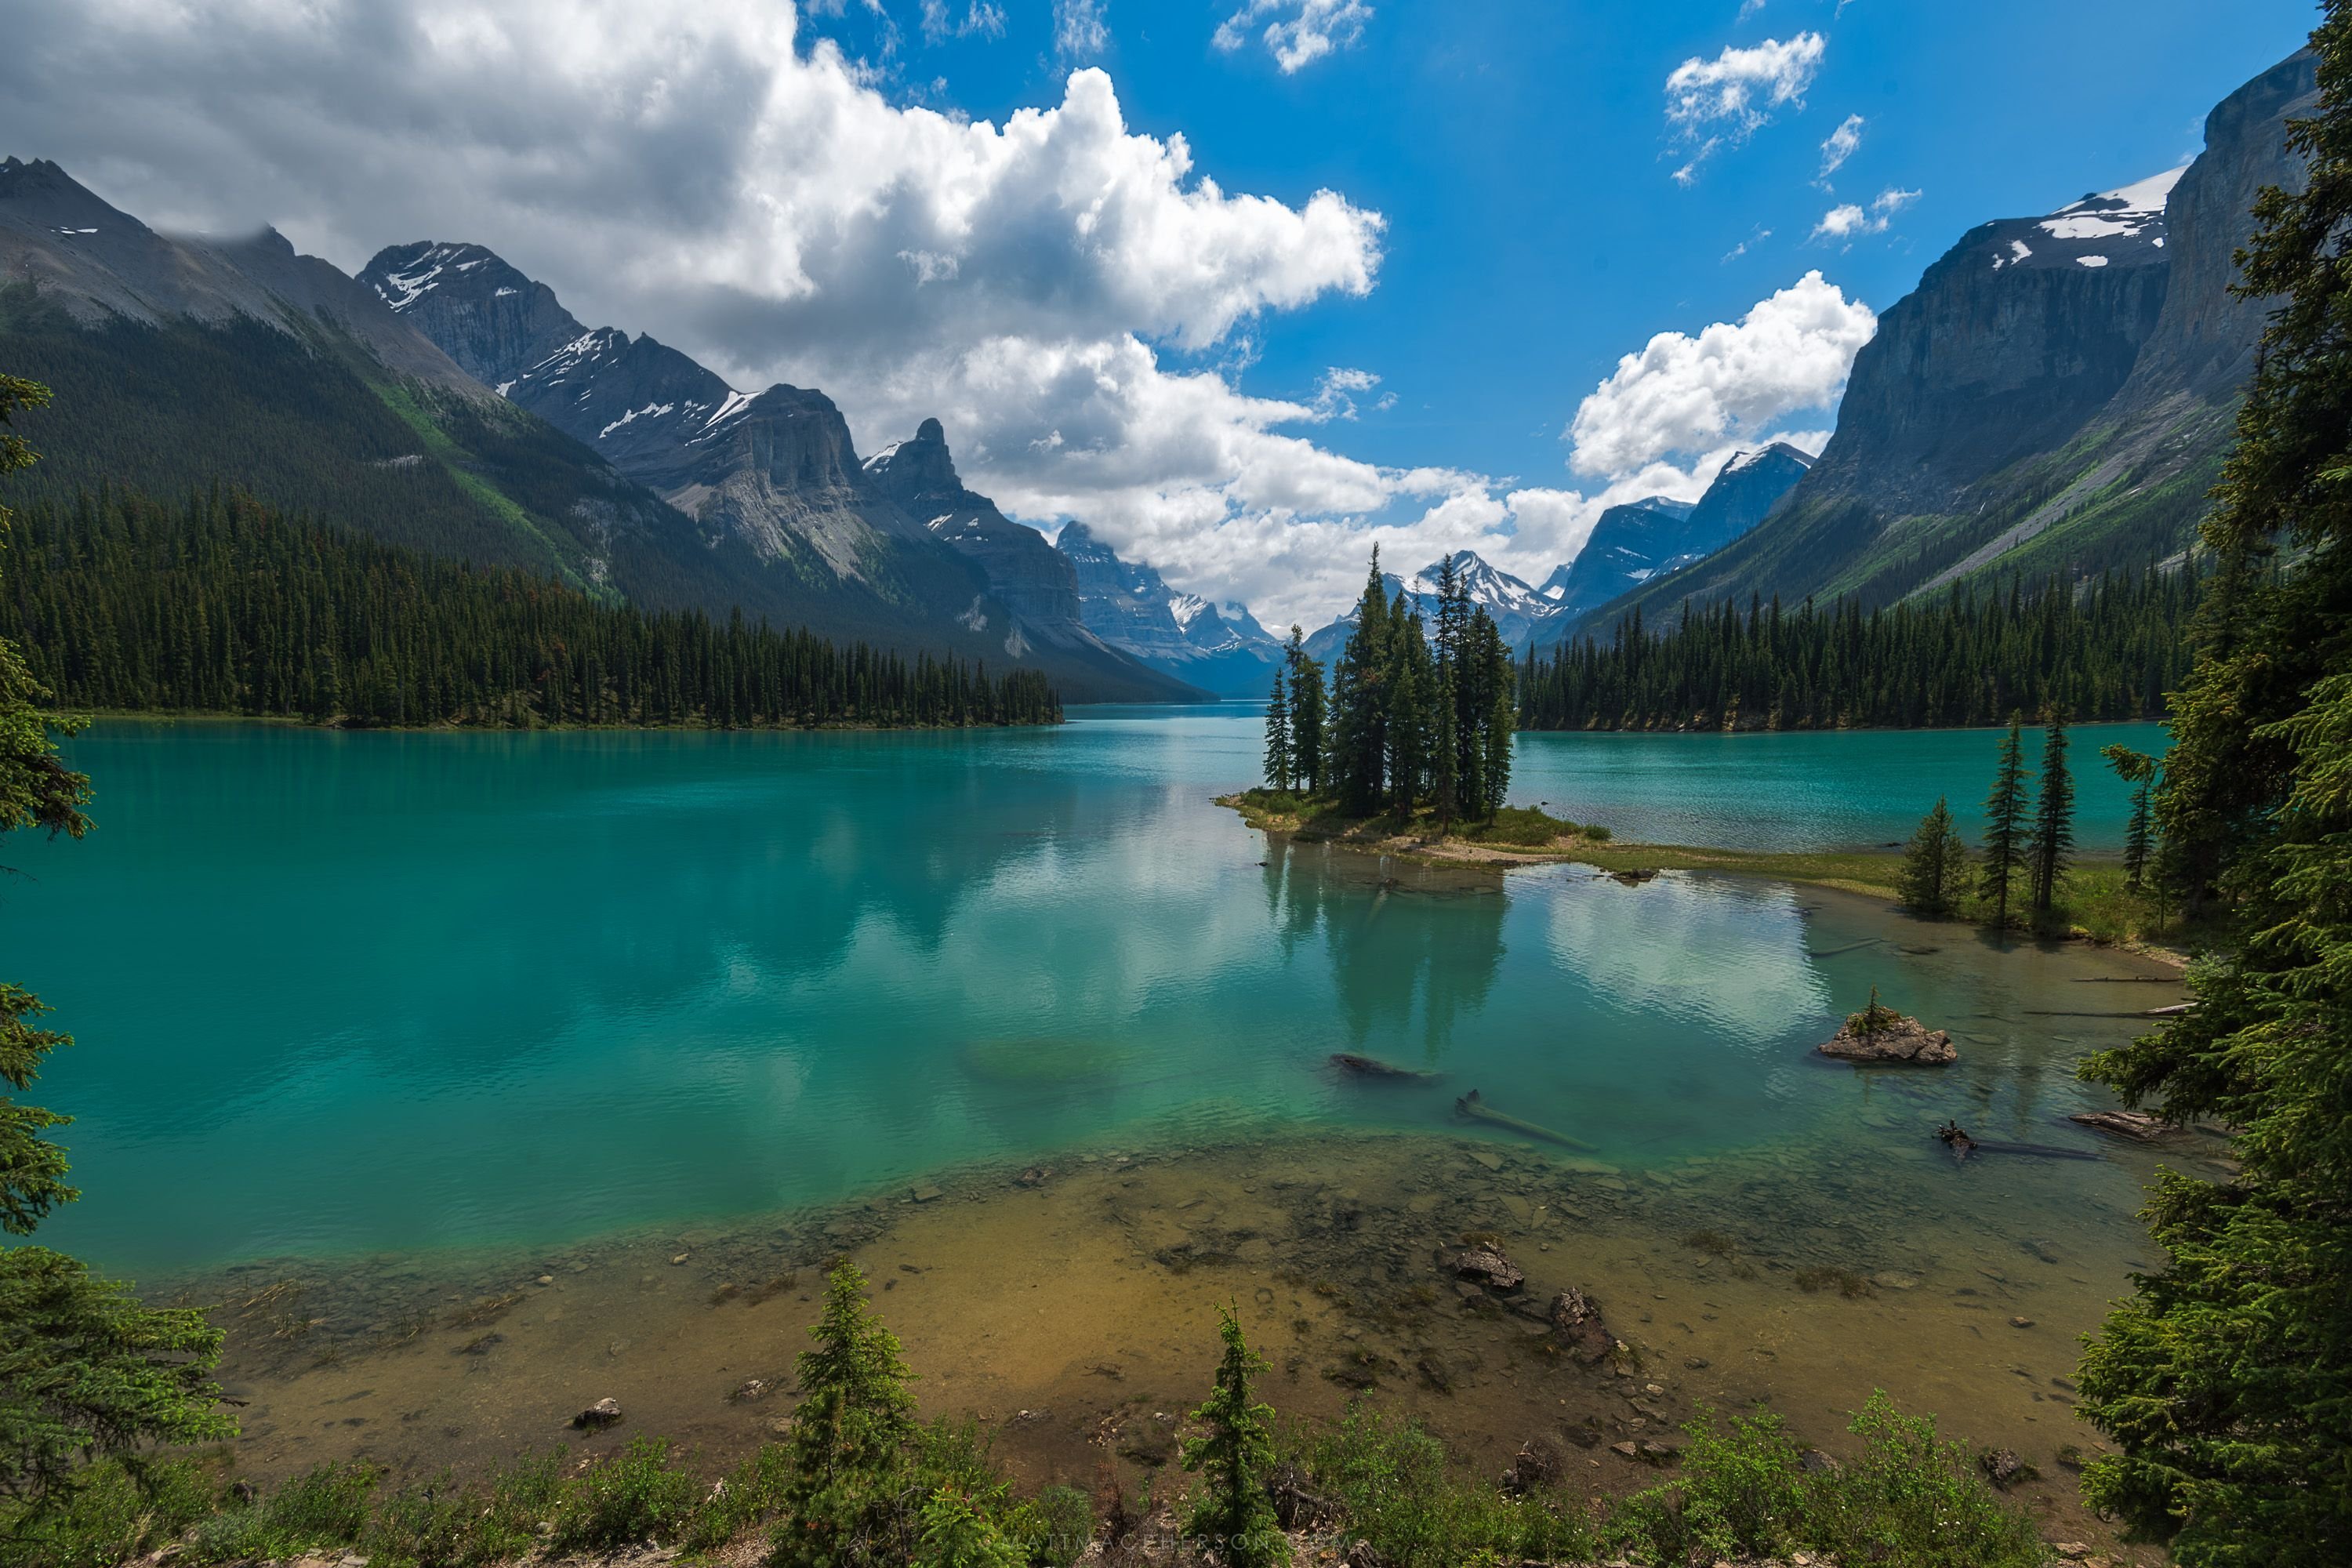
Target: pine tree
x,y
1500,718
1935,864
1407,721
1306,714
849,1435
2138,769
2004,842
2224,1382
1278,742
2053,816
1234,1514
1359,747
1445,747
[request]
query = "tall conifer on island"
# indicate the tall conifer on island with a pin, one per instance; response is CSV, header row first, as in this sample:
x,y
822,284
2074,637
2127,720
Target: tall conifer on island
x,y
1410,685
1306,708
2225,1382
2053,815
85,1370
1501,717
1279,756
2004,842
1359,747
1935,864
1233,1453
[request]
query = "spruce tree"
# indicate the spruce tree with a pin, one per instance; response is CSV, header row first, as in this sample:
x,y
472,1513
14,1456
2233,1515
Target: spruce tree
x,y
1935,864
2225,1382
2053,815
2004,842
1407,718
1279,751
1500,720
1306,714
1233,1453
1359,748
1445,747
2138,769
848,1437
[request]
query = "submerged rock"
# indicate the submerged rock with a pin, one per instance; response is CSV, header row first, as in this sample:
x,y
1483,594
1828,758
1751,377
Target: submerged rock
x,y
1882,1035
596,1417
1578,1323
1487,1266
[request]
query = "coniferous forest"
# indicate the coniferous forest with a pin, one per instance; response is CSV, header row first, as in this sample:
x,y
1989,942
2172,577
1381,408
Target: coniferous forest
x,y
2108,650
222,605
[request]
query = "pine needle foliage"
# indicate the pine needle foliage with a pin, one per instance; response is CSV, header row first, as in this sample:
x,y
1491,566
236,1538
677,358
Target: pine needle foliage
x,y
1233,1452
2225,1381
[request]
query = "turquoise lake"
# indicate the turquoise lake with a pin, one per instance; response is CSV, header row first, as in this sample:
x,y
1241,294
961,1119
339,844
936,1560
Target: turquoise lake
x,y
338,994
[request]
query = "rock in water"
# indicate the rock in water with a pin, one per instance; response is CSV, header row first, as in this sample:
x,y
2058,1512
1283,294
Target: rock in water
x,y
596,1417
2137,1125
1578,1323
1893,1038
1488,1266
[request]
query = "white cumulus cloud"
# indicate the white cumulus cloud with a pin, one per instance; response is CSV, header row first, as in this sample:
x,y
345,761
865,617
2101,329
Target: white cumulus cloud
x,y
1297,32
1841,144
1849,219
1712,104
1685,395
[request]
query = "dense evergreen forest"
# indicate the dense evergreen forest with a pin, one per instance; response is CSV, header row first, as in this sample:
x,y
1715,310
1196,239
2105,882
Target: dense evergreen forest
x,y
2109,649
224,605
1416,718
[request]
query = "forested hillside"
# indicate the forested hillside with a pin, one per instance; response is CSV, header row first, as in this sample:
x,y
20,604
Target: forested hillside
x,y
2109,649
222,604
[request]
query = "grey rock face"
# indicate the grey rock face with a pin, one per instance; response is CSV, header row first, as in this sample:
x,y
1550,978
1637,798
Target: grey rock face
x,y
1219,648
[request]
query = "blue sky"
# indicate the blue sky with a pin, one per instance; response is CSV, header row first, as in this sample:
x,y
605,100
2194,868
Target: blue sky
x,y
1520,155
1244,319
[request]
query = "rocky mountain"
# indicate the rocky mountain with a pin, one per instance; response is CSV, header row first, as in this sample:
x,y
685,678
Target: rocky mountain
x,y
2055,395
1219,648
180,362
1641,541
894,537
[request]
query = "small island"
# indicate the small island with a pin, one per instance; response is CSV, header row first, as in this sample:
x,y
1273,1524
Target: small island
x,y
1880,1035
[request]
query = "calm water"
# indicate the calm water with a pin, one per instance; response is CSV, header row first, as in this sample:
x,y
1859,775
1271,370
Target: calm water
x,y
338,994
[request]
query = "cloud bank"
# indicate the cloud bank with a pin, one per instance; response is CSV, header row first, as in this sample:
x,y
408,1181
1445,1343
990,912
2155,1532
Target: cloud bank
x,y
1057,289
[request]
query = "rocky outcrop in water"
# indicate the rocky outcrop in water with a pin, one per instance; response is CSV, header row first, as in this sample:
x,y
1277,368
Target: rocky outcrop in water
x,y
1890,1038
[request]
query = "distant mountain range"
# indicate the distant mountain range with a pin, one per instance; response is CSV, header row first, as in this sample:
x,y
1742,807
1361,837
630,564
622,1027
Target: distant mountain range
x,y
2056,396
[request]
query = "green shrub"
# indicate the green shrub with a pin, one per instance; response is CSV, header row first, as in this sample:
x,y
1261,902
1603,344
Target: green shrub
x,y
321,1508
1911,1497
114,1510
1524,825
1402,1495
426,1526
749,1497
1741,1493
523,1496
1054,1527
635,1497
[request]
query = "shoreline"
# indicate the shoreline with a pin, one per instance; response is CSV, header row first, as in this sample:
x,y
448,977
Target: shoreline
x,y
1866,873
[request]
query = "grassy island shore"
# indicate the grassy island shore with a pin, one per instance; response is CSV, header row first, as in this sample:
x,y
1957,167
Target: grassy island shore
x,y
2094,903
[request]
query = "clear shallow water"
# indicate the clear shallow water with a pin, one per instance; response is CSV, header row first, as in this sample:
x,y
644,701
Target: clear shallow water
x,y
339,993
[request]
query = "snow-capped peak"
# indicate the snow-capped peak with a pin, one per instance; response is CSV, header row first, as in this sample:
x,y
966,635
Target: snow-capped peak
x,y
2117,214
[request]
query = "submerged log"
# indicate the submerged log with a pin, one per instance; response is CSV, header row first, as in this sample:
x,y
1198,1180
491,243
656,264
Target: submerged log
x,y
1372,1067
1470,1105
2137,1125
1956,1138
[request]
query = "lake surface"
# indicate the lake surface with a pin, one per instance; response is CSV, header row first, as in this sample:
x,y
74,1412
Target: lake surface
x,y
343,993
